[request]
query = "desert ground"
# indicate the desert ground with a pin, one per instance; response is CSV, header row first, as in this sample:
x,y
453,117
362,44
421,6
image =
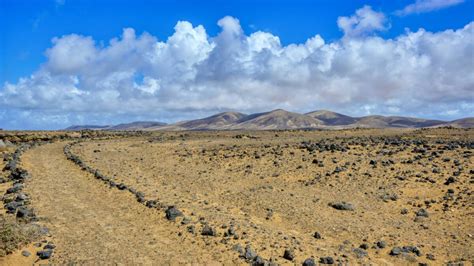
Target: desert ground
x,y
354,196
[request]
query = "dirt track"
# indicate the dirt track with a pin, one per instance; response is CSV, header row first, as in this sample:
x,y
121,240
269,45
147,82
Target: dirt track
x,y
91,223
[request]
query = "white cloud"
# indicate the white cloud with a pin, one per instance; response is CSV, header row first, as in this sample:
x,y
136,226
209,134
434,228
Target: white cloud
x,y
364,21
423,6
192,74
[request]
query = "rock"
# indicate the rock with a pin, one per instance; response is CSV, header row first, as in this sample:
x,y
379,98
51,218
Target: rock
x,y
13,206
249,254
239,249
360,253
152,204
309,262
25,253
45,254
406,249
24,213
326,260
404,211
395,251
17,187
172,213
208,231
259,261
422,213
450,180
289,254
49,246
381,244
342,206
364,246
317,235
122,186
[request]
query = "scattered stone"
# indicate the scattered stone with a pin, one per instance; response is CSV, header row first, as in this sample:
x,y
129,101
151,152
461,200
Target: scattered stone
x,y
49,246
45,254
381,244
289,254
309,262
406,249
343,206
326,260
249,254
25,253
208,231
172,213
17,187
450,180
360,253
422,213
317,235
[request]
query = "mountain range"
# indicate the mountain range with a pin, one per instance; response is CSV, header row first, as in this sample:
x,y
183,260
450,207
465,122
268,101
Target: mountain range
x,y
281,119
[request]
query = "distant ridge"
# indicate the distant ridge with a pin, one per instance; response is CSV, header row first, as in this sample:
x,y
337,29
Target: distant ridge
x,y
83,127
280,119
139,125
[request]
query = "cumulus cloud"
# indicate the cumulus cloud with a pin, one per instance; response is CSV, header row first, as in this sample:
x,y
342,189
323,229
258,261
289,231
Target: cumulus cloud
x,y
364,21
191,74
423,6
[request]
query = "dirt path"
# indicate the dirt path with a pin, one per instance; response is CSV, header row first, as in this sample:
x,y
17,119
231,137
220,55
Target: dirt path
x,y
91,223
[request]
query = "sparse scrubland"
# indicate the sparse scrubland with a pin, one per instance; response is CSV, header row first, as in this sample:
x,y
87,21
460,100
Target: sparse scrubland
x,y
357,196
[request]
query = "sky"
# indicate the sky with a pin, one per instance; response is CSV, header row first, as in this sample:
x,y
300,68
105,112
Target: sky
x,y
65,62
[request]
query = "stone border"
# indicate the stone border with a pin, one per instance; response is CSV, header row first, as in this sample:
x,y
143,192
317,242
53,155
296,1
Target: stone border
x,y
171,212
16,202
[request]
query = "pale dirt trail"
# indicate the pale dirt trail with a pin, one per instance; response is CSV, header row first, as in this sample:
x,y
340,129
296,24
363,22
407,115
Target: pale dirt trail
x,y
93,224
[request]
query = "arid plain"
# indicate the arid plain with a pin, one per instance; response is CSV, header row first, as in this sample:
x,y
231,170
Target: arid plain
x,y
356,196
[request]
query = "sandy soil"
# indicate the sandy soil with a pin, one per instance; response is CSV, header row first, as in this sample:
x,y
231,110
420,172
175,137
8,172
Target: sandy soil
x,y
277,196
93,224
272,191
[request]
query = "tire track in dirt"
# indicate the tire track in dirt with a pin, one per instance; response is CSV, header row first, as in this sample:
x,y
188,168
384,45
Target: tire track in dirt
x,y
90,223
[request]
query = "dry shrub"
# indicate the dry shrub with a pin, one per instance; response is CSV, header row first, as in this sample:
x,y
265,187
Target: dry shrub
x,y
14,234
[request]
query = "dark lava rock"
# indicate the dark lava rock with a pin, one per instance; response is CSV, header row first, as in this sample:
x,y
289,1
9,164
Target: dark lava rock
x,y
406,249
249,254
289,254
19,174
343,206
17,187
12,206
309,262
381,244
360,253
395,251
45,254
208,231
122,186
152,204
49,246
364,246
326,260
422,213
317,235
259,261
172,212
450,180
24,212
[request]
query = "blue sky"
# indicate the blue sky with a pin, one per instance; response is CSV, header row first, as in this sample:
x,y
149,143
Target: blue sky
x,y
29,27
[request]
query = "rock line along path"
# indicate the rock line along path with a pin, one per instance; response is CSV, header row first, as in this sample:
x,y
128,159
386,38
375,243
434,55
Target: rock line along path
x,y
91,223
